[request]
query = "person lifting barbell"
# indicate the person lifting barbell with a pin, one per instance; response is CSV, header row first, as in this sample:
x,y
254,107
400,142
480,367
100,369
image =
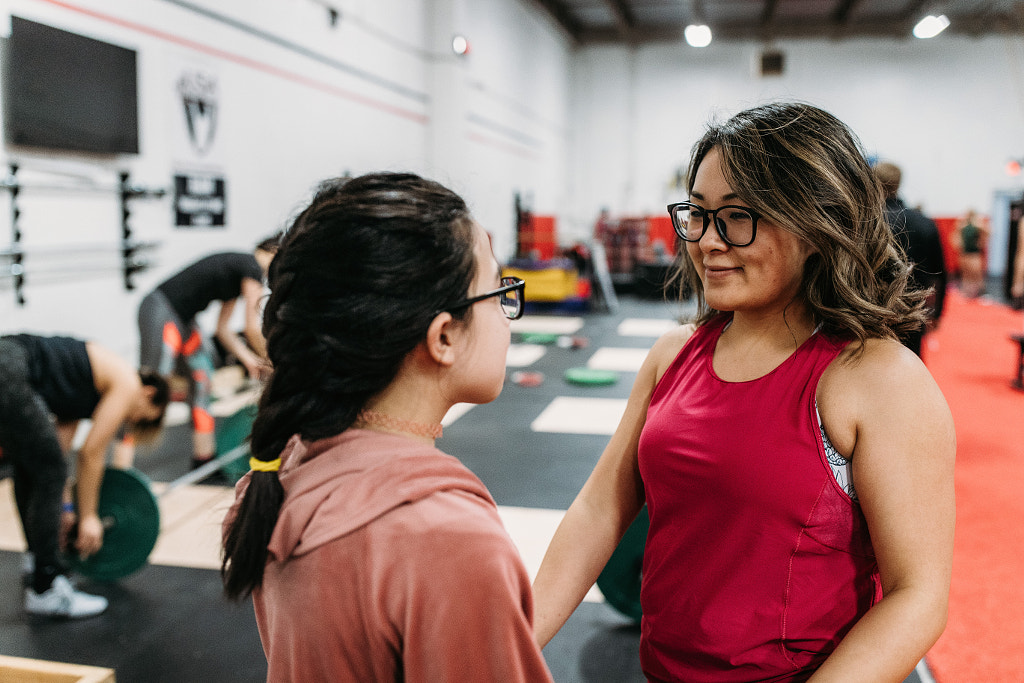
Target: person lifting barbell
x,y
48,384
170,339
128,510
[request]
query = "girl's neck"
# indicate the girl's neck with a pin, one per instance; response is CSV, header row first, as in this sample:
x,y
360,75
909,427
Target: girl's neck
x,y
386,422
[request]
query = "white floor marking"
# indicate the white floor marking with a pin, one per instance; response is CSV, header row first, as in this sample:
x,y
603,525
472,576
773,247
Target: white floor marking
x,y
522,355
547,324
619,359
645,327
531,530
575,415
455,412
191,516
923,672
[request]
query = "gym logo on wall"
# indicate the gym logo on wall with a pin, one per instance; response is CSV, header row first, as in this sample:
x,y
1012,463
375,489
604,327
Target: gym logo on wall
x,y
198,92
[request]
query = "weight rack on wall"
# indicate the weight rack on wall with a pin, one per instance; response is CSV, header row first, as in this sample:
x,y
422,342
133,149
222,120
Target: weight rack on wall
x,y
12,260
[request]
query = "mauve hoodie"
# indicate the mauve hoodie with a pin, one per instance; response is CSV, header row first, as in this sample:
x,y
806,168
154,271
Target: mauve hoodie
x,y
389,562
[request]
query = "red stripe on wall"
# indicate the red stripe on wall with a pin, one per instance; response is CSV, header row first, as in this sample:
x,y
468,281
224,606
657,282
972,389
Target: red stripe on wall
x,y
504,146
248,62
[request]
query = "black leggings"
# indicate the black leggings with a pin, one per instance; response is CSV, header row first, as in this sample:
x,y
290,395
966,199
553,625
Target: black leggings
x,y
29,440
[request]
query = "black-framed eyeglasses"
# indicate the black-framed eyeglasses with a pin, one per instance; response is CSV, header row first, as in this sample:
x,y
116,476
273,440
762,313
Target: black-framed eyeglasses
x,y
736,225
511,296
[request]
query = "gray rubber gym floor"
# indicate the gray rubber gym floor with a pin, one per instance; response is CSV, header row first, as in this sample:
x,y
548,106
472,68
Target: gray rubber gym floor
x,y
171,623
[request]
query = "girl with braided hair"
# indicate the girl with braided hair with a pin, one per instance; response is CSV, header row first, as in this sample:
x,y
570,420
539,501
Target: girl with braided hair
x,y
795,459
370,554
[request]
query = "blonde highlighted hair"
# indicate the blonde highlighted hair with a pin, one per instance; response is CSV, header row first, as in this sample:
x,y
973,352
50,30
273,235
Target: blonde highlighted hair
x,y
804,170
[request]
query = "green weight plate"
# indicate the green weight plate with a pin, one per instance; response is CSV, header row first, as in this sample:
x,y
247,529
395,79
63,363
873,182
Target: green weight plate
x,y
131,519
591,376
232,431
620,579
539,338
234,470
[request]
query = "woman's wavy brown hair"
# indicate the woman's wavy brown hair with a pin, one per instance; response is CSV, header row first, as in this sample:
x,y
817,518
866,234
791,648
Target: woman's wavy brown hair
x,y
804,170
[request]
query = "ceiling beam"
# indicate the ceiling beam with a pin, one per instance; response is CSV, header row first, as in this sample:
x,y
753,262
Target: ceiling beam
x,y
768,12
914,8
975,24
560,13
843,10
624,19
694,12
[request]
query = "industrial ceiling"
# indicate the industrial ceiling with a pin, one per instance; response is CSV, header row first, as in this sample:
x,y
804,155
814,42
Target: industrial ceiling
x,y
643,21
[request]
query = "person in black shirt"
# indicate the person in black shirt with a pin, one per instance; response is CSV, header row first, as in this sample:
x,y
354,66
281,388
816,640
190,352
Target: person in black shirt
x,y
48,384
170,338
1017,279
970,239
920,239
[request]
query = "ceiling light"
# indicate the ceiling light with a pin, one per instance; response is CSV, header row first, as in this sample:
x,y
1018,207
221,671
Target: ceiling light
x,y
697,35
931,26
460,45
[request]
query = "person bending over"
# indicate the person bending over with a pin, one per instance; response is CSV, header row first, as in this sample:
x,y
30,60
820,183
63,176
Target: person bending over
x,y
796,460
169,337
48,384
370,554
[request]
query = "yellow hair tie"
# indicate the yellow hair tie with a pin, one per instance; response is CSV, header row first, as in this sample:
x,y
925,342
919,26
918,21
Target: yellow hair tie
x,y
264,465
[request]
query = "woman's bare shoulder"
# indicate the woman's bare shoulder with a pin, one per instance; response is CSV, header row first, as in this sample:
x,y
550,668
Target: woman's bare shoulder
x,y
877,377
667,348
875,361
870,373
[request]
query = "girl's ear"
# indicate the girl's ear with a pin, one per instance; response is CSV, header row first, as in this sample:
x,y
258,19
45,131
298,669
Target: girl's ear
x,y
440,340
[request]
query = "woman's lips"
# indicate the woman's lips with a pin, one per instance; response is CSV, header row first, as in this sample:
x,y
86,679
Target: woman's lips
x,y
719,271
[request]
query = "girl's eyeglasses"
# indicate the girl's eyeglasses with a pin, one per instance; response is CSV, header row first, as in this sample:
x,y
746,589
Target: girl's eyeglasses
x,y
510,296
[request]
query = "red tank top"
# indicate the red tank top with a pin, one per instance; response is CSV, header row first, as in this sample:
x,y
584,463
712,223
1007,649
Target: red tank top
x,y
757,563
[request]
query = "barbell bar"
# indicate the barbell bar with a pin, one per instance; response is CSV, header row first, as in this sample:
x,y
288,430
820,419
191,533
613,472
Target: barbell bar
x,y
130,513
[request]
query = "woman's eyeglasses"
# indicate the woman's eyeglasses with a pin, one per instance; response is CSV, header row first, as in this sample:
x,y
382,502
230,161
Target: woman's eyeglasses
x,y
736,225
510,297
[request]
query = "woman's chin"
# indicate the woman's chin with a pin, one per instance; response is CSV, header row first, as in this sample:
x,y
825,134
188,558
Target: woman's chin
x,y
720,300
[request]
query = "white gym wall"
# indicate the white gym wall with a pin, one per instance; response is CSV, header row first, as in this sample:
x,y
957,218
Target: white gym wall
x,y
571,129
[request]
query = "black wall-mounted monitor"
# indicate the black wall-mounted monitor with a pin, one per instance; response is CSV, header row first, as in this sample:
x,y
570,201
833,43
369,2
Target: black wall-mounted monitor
x,y
63,91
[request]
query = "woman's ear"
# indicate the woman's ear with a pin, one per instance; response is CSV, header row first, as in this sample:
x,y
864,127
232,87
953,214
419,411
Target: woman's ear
x,y
441,337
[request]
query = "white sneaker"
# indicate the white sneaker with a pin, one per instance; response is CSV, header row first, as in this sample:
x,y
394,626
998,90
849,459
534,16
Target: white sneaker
x,y
62,600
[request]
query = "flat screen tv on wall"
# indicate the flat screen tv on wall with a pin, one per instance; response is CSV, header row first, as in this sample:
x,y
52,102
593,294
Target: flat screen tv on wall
x,y
63,91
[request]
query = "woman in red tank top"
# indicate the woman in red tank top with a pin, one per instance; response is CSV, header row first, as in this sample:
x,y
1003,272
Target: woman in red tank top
x,y
795,458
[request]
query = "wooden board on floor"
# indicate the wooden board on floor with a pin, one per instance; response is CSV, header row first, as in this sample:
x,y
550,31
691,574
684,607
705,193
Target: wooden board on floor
x,y
25,670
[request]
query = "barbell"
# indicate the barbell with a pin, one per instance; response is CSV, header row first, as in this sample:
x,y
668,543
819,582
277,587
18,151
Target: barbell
x,y
128,506
129,511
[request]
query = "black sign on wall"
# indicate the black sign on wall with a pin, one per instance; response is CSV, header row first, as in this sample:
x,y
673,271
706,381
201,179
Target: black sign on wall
x,y
199,201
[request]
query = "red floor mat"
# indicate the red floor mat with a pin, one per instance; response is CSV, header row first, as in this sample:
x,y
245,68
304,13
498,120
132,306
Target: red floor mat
x,y
973,359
